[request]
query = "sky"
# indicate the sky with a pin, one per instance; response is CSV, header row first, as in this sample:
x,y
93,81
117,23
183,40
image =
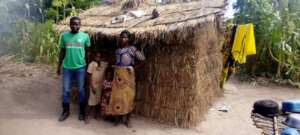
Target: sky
x,y
229,9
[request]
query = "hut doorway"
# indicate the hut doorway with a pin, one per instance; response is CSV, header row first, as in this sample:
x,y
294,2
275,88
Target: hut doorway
x,y
106,46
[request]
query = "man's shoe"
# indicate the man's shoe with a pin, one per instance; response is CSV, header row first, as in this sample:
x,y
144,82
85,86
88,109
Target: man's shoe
x,y
81,111
64,116
66,112
81,117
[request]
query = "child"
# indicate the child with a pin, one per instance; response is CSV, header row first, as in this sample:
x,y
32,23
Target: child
x,y
95,71
106,89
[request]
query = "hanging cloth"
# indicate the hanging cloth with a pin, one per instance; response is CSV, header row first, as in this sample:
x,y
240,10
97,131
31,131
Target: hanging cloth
x,y
244,43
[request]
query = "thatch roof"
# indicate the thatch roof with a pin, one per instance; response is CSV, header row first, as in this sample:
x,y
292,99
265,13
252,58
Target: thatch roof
x,y
172,17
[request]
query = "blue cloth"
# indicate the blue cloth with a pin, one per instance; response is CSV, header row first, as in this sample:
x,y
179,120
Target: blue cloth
x,y
70,75
290,131
120,53
291,106
126,56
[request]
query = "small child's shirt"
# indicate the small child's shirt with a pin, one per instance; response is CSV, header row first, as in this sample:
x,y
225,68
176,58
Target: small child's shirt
x,y
97,73
106,84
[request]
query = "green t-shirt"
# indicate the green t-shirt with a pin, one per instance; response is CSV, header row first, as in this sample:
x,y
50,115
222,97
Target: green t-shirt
x,y
75,45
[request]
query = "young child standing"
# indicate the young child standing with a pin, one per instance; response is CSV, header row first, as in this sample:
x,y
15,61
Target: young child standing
x,y
106,90
96,70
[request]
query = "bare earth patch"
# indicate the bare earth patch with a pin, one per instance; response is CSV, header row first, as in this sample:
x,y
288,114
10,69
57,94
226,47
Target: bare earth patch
x,y
30,105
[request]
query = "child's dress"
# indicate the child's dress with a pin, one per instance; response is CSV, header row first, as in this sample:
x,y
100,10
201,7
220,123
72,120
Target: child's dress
x,y
97,76
106,92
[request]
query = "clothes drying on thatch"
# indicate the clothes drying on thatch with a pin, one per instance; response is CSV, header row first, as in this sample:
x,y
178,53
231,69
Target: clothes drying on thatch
x,y
183,48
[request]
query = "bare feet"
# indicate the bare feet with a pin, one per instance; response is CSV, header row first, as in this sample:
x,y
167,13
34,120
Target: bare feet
x,y
86,121
117,120
116,123
128,124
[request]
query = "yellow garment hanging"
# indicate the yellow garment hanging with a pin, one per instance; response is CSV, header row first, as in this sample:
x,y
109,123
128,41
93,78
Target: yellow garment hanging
x,y
244,43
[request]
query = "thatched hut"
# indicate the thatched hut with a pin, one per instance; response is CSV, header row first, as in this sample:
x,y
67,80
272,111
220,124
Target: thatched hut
x,y
183,46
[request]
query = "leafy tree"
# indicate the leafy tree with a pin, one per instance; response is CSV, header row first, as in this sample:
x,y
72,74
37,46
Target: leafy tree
x,y
277,34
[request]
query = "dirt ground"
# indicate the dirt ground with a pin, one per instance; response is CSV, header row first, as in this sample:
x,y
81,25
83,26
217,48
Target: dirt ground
x,y
30,105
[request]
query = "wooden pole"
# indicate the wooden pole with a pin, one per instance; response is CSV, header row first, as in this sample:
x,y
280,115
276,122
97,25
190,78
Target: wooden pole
x,y
275,125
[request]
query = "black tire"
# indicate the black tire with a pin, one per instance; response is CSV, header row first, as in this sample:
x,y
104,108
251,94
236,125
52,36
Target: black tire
x,y
266,108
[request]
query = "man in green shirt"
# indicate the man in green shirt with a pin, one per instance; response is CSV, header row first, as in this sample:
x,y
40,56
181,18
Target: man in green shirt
x,y
72,56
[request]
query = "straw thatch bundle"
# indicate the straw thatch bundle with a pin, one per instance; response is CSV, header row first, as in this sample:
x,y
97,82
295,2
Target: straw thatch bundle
x,y
131,4
181,81
183,46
